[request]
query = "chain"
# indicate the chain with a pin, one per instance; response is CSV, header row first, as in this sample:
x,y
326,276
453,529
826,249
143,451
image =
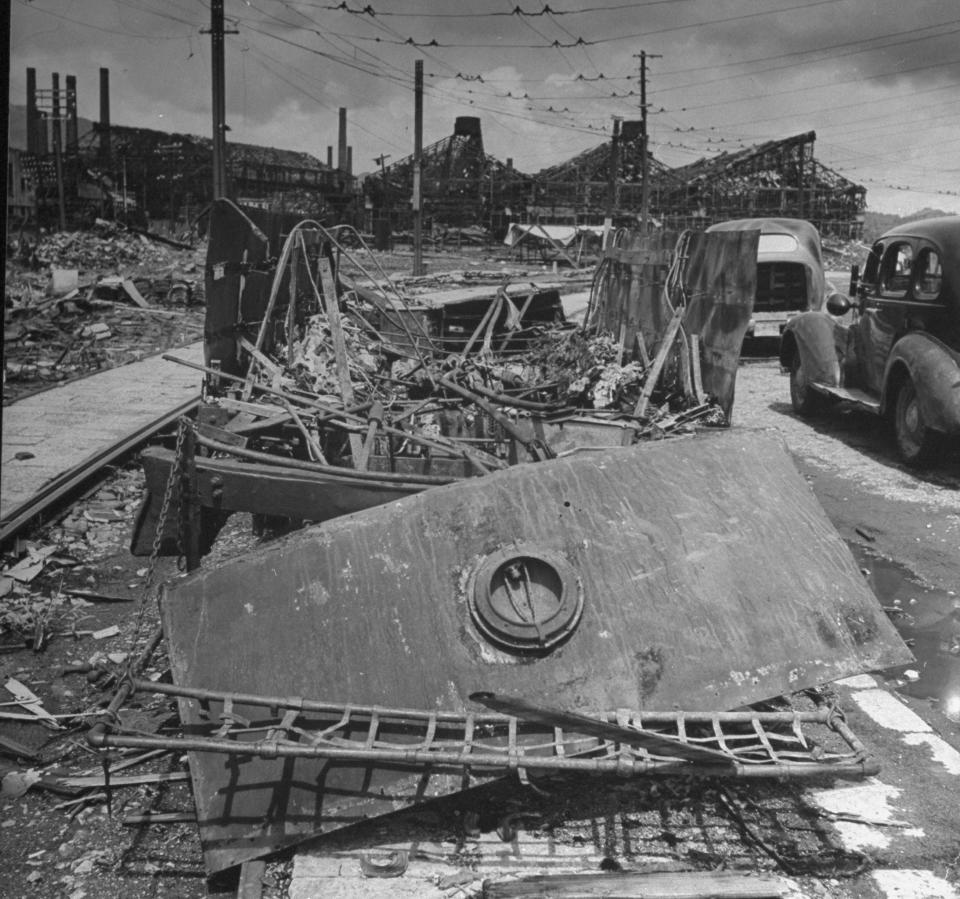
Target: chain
x,y
173,482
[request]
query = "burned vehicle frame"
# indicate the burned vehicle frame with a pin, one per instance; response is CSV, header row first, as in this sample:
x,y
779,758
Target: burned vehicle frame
x,y
899,357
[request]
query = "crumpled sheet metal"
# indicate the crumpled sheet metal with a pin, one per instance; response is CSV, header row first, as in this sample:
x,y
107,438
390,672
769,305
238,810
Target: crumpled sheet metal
x,y
710,578
719,281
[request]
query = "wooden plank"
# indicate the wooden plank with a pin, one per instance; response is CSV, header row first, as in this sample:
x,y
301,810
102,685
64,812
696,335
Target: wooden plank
x,y
695,366
674,885
375,416
261,409
31,703
266,363
251,879
339,346
262,425
316,453
130,289
653,375
641,349
230,437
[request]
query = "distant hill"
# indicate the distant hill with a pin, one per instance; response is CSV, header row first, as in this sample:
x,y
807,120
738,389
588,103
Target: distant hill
x,y
876,223
17,127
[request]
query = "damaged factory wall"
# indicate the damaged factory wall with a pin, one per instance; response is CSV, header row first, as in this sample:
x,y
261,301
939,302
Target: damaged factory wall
x,y
772,179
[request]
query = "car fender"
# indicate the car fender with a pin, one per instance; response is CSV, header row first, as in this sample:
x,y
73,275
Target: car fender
x,y
934,369
815,335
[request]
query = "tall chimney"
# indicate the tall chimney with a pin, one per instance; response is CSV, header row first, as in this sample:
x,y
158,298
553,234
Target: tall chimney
x,y
104,113
71,111
342,141
329,157
57,131
349,160
33,118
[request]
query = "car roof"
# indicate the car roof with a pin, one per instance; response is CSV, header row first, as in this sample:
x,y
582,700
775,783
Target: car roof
x,y
797,227
808,238
944,231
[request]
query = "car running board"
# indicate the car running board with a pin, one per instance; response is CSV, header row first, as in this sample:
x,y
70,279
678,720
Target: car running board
x,y
853,394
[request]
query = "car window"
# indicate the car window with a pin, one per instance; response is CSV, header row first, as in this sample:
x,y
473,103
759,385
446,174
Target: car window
x,y
928,275
871,268
896,270
777,243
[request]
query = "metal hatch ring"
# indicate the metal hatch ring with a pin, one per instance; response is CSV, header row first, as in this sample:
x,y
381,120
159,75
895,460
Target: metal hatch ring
x,y
524,598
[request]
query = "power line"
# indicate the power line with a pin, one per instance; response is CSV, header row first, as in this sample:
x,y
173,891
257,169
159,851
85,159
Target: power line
x,y
581,42
100,28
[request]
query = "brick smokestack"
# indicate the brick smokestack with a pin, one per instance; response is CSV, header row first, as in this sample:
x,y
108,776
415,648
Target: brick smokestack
x,y
342,141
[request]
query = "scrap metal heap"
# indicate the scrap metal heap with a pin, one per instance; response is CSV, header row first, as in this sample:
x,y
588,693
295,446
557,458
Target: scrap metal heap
x,y
525,581
319,370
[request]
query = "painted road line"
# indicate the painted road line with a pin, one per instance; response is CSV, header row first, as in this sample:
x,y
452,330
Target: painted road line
x,y
912,884
873,803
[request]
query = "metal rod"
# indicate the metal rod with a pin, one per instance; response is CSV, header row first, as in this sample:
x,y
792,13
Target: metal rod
x,y
621,765
822,715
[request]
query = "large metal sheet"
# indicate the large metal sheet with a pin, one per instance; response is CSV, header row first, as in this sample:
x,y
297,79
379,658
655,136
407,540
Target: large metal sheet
x,y
718,272
708,573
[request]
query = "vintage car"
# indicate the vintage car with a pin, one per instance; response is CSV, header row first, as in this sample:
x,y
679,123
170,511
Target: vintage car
x,y
790,276
900,355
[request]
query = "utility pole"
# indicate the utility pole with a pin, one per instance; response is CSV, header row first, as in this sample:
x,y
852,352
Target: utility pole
x,y
644,142
612,181
58,152
417,162
217,32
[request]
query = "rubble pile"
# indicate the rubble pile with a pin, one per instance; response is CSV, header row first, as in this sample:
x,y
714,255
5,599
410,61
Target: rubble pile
x,y
841,254
77,302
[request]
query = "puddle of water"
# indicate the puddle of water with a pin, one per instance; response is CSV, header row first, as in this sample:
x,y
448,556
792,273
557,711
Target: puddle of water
x,y
928,619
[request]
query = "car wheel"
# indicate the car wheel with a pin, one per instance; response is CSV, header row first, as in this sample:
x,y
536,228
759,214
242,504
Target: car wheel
x,y
916,441
805,400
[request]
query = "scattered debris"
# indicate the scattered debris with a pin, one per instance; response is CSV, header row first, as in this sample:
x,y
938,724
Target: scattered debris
x,y
82,301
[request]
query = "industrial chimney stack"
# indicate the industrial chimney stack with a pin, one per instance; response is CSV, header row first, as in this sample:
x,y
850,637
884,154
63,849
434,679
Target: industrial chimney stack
x,y
104,114
342,163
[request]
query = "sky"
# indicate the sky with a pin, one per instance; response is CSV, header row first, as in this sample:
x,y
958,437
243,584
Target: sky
x,y
878,80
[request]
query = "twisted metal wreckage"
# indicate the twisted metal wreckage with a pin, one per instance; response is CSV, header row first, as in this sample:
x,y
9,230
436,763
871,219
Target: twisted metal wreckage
x,y
518,547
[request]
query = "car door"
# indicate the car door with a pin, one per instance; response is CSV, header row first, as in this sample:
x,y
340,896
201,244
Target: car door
x,y
887,301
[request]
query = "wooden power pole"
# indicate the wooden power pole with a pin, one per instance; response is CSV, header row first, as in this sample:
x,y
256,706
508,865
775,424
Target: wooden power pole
x,y
644,145
217,33
417,165
612,181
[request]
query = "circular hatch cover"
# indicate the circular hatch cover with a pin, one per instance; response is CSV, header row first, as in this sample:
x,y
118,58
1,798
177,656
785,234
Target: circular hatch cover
x,y
525,598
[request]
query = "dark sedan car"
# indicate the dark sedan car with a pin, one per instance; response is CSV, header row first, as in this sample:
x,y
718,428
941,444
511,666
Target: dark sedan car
x,y
900,356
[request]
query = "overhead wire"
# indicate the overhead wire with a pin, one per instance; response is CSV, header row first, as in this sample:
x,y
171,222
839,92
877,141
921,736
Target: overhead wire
x,y
580,41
